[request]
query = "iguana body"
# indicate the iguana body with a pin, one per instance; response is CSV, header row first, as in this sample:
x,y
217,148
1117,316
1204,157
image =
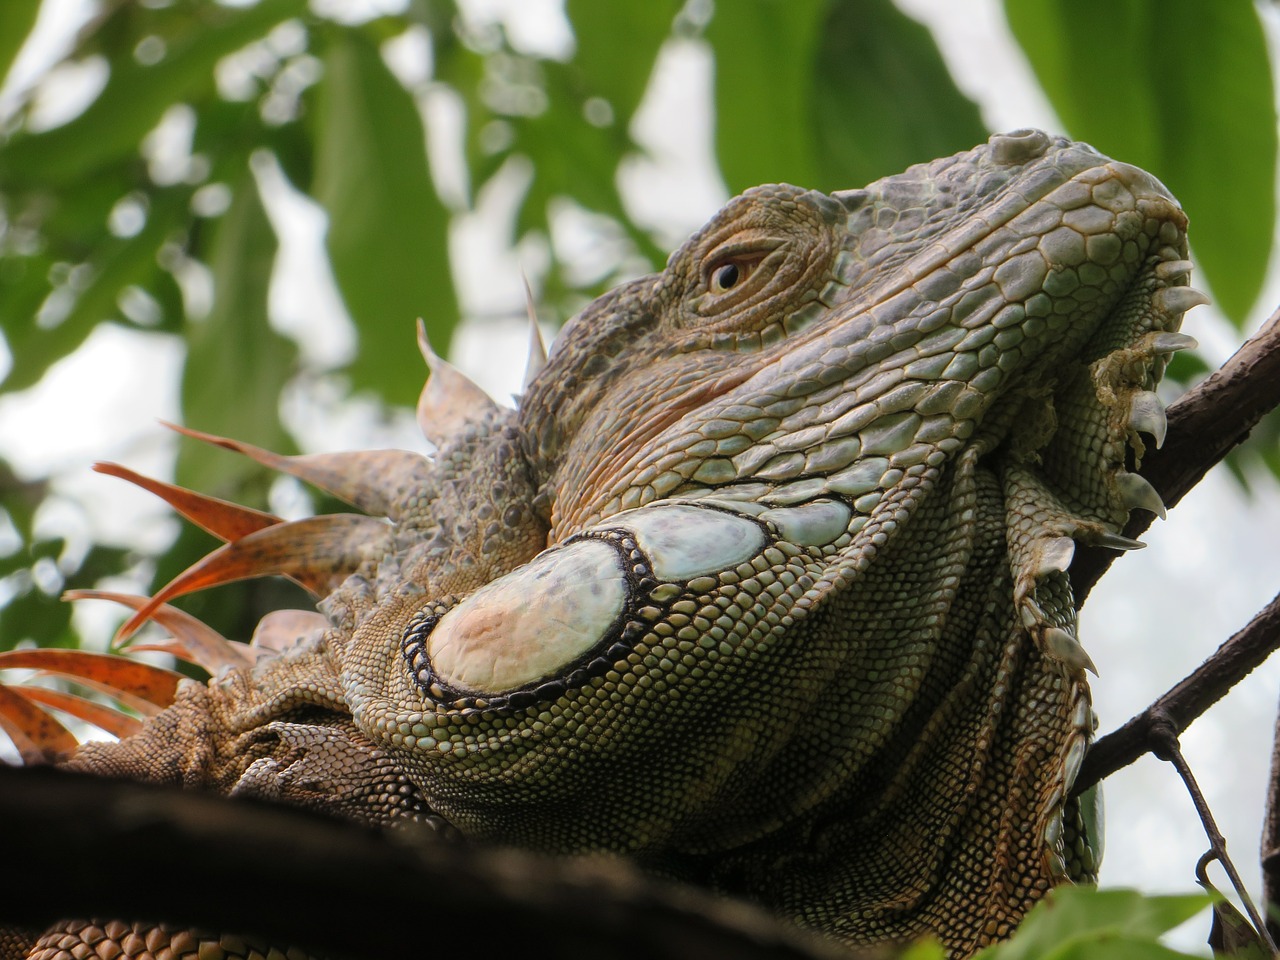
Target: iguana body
x,y
763,586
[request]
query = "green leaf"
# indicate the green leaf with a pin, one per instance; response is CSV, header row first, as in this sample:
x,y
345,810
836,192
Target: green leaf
x,y
388,231
30,613
618,71
815,92
764,87
1233,934
463,70
236,364
115,264
1183,89
924,950
137,95
577,160
1084,922
24,283
876,66
33,615
17,17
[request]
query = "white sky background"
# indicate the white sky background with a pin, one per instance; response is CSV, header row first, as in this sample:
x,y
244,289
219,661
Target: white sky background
x,y
1160,611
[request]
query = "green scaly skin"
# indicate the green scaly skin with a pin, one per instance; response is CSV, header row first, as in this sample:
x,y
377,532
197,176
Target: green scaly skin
x,y
799,627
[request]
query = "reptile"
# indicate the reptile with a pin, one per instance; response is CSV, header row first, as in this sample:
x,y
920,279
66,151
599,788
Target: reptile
x,y
762,586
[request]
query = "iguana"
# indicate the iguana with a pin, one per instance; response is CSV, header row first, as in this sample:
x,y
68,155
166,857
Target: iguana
x,y
762,586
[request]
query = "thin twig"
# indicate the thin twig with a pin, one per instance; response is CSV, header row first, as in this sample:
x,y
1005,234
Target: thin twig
x,y
1168,748
1189,698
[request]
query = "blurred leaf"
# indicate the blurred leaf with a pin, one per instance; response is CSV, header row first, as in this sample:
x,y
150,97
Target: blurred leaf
x,y
17,17
1232,935
924,950
618,72
815,93
876,66
1084,923
764,90
46,619
19,499
73,217
30,613
388,231
34,615
236,367
164,288
219,122
1182,89
578,161
236,364
116,263
462,69
572,157
136,95
24,283
575,158
292,146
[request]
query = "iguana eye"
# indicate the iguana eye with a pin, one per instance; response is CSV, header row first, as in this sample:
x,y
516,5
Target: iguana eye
x,y
725,278
732,272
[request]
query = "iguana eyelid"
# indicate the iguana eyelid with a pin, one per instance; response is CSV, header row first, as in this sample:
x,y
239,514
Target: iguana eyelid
x,y
750,257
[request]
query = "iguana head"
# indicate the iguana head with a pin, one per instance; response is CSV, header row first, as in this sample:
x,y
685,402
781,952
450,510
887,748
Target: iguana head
x,y
811,495
800,334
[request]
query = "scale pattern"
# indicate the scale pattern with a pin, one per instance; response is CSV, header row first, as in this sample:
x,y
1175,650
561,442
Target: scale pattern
x,y
764,584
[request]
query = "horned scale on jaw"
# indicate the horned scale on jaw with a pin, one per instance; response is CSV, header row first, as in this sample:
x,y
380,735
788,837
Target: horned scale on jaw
x,y
764,584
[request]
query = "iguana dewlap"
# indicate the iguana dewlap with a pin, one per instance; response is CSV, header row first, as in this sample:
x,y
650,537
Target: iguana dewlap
x,y
763,585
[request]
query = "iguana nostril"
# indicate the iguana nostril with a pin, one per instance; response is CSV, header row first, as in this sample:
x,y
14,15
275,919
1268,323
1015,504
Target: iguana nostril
x,y
1018,146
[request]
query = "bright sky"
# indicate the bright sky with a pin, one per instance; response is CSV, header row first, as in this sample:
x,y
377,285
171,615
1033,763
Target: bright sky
x,y
1160,611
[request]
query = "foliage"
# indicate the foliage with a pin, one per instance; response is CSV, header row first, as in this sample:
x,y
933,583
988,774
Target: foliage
x,y
1084,923
1166,87
1081,922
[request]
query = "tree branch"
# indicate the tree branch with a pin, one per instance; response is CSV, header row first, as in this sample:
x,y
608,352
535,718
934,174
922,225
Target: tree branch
x,y
93,847
1208,684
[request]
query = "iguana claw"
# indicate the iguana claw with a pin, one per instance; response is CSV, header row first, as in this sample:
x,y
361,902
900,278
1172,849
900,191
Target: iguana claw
x,y
1146,415
1136,492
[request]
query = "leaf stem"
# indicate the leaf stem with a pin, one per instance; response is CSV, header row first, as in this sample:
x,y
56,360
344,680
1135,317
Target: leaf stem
x,y
1169,749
